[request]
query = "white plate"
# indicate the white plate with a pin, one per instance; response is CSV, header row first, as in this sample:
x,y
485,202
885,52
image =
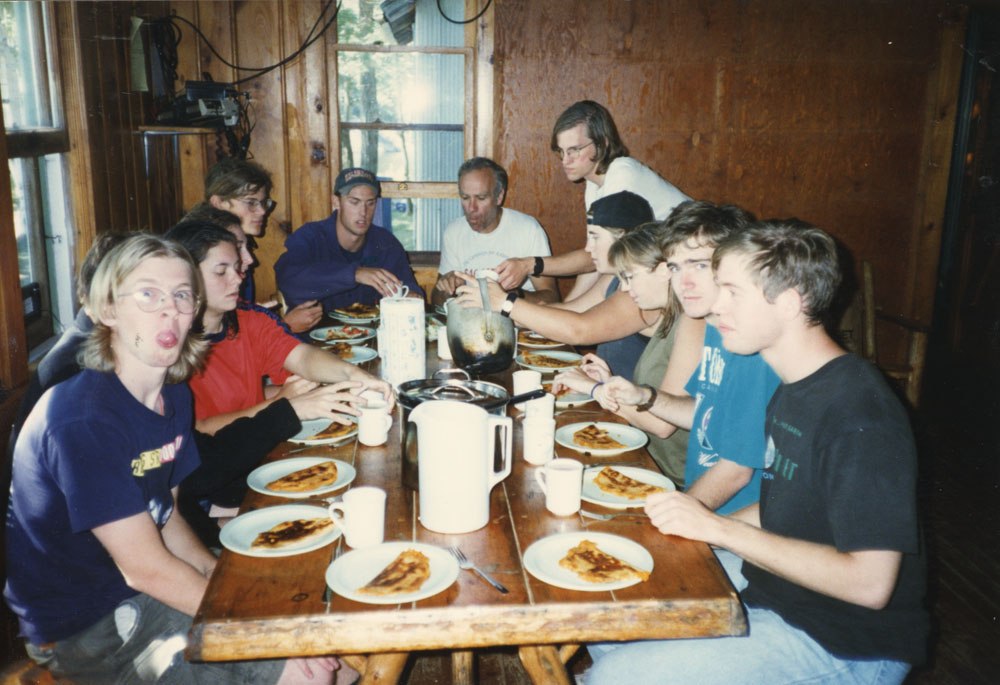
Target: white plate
x,y
262,475
355,320
538,346
356,568
541,559
361,355
238,534
311,427
632,438
556,354
320,335
592,493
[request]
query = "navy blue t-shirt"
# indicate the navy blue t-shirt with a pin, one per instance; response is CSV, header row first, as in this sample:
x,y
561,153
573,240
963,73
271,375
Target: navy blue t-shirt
x,y
89,454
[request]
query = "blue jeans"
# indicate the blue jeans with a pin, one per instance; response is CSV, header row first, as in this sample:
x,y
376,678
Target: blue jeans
x,y
774,652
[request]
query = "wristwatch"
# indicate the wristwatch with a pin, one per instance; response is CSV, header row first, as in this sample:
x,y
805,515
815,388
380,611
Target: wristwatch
x,y
508,304
539,267
648,404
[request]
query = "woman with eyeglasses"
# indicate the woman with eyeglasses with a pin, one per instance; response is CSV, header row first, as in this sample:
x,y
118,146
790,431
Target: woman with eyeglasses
x,y
102,572
249,343
243,188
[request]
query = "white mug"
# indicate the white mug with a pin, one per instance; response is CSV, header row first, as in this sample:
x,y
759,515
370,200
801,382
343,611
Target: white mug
x,y
539,437
374,423
542,408
561,480
361,515
526,380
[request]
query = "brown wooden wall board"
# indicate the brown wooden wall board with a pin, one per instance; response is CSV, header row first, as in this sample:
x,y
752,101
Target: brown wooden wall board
x,y
191,150
258,43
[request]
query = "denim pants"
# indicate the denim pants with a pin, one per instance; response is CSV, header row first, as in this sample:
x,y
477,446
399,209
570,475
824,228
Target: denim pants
x,y
142,641
773,652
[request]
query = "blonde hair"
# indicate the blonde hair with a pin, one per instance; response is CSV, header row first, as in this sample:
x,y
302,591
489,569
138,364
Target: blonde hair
x,y
97,352
643,247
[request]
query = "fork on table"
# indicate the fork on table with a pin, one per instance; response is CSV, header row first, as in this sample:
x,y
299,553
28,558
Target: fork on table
x,y
464,563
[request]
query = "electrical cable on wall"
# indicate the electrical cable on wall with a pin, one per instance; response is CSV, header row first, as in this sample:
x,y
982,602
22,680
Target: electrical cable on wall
x,y
464,21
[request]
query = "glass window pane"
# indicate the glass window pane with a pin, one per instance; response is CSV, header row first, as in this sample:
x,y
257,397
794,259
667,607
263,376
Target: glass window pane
x,y
25,67
403,155
401,22
418,222
27,246
401,88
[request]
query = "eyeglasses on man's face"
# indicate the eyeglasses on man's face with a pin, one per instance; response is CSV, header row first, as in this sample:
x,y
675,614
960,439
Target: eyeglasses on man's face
x,y
152,300
253,204
573,152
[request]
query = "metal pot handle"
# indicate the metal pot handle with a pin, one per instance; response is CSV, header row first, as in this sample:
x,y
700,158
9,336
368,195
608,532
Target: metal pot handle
x,y
435,391
443,372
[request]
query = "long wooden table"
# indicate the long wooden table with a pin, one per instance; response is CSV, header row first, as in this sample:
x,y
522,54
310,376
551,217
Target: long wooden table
x,y
273,607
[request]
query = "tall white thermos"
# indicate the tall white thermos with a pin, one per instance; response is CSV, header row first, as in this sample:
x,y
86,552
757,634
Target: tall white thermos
x,y
401,339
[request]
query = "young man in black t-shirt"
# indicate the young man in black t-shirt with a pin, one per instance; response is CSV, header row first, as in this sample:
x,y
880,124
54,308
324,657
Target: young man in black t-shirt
x,y
834,557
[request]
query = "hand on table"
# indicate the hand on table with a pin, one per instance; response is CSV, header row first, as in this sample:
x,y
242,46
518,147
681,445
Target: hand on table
x,y
385,282
677,513
514,271
469,296
329,401
304,316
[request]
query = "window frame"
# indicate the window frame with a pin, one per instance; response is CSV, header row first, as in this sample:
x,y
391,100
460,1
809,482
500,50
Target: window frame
x,y
31,144
479,101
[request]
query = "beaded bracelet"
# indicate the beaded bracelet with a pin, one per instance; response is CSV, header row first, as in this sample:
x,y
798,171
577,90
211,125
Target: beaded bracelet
x,y
593,389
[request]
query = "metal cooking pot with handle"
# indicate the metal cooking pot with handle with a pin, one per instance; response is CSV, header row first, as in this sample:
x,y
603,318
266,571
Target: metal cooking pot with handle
x,y
481,341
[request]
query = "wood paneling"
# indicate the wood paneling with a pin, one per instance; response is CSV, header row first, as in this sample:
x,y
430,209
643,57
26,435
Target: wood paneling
x,y
838,113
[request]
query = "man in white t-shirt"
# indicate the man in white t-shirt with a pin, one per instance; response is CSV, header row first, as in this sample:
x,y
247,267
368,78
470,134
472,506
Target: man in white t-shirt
x,y
489,233
591,152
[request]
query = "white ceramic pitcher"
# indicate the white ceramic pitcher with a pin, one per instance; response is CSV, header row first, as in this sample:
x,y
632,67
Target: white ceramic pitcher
x,y
455,457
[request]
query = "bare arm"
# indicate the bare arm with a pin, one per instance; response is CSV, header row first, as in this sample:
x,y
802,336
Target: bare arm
x,y
675,409
181,541
322,366
591,297
864,577
148,566
684,359
546,291
513,271
720,482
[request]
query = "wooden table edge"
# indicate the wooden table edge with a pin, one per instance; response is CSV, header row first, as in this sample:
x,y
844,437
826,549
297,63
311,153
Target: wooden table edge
x,y
464,628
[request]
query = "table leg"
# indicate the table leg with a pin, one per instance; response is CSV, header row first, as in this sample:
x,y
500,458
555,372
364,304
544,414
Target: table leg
x,y
461,667
384,668
543,664
566,652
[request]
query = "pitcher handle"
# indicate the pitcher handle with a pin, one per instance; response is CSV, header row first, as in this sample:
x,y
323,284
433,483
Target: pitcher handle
x,y
504,423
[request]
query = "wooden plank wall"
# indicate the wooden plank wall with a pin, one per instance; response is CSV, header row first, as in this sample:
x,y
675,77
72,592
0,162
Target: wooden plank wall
x,y
132,180
839,113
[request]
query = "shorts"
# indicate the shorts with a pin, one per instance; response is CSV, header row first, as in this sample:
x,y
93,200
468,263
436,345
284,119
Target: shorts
x,y
143,641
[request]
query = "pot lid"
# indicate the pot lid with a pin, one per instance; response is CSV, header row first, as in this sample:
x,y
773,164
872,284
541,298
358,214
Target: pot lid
x,y
481,393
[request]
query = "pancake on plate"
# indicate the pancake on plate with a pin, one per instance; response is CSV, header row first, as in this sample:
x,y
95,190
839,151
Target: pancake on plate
x,y
310,478
406,573
596,438
594,566
546,362
617,483
288,533
358,311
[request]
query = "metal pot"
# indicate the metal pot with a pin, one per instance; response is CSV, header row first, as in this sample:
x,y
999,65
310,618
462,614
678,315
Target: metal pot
x,y
481,341
490,396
